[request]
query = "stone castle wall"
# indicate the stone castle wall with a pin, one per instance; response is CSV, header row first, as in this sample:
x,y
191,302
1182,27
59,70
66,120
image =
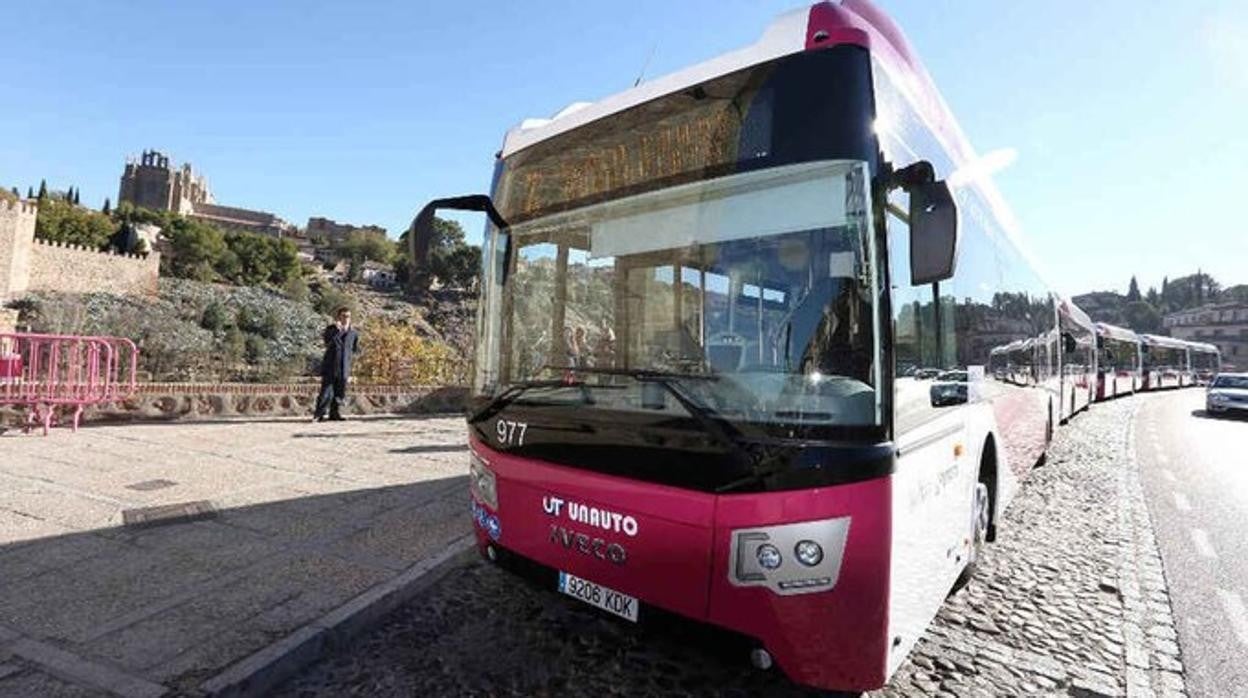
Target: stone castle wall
x,y
27,264
73,269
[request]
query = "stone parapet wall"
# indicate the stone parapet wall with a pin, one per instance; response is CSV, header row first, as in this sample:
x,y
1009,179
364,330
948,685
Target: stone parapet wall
x,y
73,269
190,401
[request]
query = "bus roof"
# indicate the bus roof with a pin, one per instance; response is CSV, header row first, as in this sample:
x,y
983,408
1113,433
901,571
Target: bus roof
x,y
1105,329
1203,347
1160,341
822,25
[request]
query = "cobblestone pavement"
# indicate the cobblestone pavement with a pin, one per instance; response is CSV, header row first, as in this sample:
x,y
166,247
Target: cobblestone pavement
x,y
1070,600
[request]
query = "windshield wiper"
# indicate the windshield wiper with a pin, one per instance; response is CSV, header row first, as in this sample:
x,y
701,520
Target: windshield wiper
x,y
718,428
515,390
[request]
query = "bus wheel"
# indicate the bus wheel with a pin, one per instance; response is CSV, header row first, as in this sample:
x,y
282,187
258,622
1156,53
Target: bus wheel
x,y
981,513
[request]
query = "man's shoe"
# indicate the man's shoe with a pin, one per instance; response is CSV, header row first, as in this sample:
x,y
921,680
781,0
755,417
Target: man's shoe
x,y
337,418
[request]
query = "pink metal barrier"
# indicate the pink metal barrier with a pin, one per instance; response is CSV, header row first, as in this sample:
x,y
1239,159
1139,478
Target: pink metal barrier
x,y
44,373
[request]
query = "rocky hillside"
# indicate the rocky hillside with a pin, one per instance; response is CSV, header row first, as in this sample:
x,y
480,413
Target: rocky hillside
x,y
202,331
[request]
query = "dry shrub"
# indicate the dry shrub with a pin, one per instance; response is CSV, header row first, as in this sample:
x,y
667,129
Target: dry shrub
x,y
395,354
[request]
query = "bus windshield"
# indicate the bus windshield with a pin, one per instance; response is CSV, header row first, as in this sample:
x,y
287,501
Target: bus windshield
x,y
753,292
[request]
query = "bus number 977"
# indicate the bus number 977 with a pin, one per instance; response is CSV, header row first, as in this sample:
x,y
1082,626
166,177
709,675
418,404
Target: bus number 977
x,y
510,433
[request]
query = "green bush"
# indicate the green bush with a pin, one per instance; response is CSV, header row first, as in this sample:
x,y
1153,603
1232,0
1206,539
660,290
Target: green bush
x,y
271,324
255,349
63,222
296,289
234,344
331,299
247,320
215,318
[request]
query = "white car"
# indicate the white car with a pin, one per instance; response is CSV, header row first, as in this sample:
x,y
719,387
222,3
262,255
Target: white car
x,y
1227,392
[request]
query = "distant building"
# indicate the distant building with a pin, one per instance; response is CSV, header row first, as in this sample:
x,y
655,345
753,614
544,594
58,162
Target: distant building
x,y
1223,324
380,276
151,182
325,231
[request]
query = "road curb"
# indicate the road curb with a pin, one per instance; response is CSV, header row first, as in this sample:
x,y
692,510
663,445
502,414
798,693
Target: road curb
x,y
259,673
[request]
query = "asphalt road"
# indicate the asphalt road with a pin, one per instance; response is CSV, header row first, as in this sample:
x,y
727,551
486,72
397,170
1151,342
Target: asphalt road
x,y
1194,470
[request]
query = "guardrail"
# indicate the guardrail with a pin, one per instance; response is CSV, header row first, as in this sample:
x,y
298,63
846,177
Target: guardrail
x,y
44,373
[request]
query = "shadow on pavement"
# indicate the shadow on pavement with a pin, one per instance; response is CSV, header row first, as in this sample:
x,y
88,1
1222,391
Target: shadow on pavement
x,y
1229,415
432,448
184,421
175,604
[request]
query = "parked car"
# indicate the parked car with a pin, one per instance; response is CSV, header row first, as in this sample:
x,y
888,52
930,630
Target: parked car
x,y
949,388
1228,392
924,374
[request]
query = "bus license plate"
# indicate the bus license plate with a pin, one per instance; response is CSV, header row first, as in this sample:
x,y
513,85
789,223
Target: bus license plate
x,y
609,600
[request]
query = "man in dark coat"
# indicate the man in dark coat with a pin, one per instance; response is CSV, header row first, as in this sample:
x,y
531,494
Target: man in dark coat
x,y
342,343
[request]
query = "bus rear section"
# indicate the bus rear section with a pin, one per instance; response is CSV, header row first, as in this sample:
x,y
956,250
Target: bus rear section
x,y
1205,361
1164,362
1118,361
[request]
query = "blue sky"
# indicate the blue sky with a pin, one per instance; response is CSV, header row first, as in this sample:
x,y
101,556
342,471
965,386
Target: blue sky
x,y
1128,117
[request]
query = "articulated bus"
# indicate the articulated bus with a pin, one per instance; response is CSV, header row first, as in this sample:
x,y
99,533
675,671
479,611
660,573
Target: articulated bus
x,y
1079,355
1204,362
1164,362
760,345
1119,359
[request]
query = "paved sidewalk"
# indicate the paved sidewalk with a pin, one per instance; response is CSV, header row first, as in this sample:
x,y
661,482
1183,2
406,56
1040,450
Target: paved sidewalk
x,y
301,526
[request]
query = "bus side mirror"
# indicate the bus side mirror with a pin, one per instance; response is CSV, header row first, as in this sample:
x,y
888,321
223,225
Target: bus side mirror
x,y
420,234
933,233
1069,344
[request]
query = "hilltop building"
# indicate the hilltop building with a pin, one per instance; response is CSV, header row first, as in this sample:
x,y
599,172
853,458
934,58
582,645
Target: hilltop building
x,y
152,182
1223,324
324,231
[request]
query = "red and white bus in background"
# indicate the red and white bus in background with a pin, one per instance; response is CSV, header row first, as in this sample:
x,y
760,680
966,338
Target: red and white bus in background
x,y
734,346
1204,362
1079,355
1119,360
1164,362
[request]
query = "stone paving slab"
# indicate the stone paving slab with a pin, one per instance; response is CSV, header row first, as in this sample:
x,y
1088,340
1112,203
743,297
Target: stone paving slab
x,y
315,524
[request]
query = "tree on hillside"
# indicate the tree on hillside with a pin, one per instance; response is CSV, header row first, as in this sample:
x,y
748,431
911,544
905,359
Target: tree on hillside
x,y
1133,291
1153,297
16,193
451,258
77,196
1142,317
30,193
43,189
360,246
60,221
108,206
196,248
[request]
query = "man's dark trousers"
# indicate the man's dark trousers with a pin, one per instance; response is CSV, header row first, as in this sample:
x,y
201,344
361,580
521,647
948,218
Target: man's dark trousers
x,y
333,392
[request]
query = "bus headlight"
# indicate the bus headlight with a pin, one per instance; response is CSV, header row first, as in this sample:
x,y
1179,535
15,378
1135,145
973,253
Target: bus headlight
x,y
808,552
768,556
817,546
481,481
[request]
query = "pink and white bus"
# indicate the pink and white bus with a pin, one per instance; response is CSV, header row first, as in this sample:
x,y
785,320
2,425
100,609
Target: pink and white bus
x,y
1119,358
1204,361
734,346
1164,362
